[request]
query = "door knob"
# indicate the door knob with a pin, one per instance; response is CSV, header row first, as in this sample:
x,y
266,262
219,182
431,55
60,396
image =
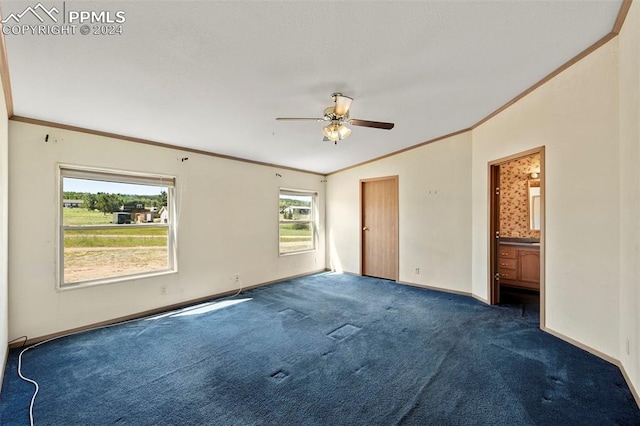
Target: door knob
x,y
365,229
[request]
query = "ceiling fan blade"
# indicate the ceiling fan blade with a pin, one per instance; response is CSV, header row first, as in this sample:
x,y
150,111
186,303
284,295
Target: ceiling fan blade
x,y
342,105
374,124
300,119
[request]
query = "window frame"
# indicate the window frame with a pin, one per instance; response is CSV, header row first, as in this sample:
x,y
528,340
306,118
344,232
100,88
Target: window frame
x,y
312,219
116,176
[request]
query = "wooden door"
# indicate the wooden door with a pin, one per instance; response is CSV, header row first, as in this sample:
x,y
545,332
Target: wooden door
x,y
379,207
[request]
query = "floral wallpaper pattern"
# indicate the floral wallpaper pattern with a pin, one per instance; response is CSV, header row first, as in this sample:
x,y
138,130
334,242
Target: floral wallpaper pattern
x,y
514,198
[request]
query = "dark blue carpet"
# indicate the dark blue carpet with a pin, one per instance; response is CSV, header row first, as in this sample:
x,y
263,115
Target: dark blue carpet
x,y
326,349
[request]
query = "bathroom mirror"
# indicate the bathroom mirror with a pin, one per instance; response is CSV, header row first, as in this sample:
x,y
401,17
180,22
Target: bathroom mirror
x,y
533,187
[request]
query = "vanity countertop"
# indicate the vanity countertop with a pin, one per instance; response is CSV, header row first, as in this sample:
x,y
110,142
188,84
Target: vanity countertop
x,y
520,242
511,243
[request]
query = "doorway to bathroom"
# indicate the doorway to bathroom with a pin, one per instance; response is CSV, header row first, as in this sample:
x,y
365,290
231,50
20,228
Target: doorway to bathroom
x,y
516,239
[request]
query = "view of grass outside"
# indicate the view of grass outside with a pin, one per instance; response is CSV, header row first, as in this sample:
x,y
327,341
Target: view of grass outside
x,y
296,222
295,239
81,216
97,245
133,237
105,253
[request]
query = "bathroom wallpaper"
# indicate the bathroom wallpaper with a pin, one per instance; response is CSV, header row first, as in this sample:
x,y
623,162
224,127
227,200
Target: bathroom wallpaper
x,y
514,198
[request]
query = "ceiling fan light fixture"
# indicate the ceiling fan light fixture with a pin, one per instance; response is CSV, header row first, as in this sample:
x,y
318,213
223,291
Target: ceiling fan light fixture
x,y
343,131
331,132
336,132
337,115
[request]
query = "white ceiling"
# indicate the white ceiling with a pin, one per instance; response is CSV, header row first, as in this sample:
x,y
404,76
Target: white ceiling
x,y
214,75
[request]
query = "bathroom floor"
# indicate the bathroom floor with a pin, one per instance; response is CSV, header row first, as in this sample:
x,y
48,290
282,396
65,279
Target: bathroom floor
x,y
527,300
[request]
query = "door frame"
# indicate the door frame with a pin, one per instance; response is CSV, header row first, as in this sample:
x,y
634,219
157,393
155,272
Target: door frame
x,y
493,226
361,222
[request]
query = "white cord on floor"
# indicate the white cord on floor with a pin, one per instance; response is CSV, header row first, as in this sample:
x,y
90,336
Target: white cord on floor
x,y
233,295
26,379
35,384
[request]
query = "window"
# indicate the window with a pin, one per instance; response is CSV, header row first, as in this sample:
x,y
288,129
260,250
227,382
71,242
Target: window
x,y
296,217
114,225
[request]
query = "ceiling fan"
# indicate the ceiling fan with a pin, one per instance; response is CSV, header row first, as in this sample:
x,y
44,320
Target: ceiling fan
x,y
337,116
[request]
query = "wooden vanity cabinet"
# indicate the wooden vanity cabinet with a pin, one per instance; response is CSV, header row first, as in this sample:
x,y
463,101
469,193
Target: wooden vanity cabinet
x,y
529,267
507,263
519,266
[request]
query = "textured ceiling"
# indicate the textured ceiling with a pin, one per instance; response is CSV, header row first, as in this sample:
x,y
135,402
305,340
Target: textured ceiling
x,y
214,75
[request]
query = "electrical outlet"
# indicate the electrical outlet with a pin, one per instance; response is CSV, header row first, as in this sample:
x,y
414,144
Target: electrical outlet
x,y
628,351
237,278
417,271
163,290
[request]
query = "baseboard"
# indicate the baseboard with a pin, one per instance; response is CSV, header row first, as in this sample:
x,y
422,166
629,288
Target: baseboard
x,y
582,346
634,392
429,287
154,311
481,299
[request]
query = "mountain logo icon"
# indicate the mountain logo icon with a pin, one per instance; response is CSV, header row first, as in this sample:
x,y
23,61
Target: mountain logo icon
x,y
39,11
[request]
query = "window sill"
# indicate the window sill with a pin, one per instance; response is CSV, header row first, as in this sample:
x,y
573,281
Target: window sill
x,y
113,280
292,253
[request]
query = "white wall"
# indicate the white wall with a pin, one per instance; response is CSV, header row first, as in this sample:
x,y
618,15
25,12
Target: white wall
x,y
4,228
434,207
228,224
575,116
629,45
